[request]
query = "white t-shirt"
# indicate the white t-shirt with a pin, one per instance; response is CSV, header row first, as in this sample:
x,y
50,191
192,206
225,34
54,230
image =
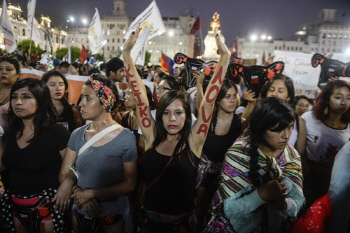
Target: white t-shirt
x,y
322,141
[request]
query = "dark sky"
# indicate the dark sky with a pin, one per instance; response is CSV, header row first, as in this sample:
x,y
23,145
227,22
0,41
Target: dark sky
x,y
278,18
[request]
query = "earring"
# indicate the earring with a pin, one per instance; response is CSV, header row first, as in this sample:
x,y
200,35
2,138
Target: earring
x,y
325,111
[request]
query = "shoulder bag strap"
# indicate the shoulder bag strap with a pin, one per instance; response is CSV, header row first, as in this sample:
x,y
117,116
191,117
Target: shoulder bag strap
x,y
97,137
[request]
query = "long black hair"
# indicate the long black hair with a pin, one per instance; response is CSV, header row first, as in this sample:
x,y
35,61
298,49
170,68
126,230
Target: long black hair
x,y
227,84
268,113
161,133
45,116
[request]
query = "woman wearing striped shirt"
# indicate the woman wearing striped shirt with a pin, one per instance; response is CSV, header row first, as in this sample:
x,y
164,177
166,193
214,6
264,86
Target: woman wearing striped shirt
x,y
260,184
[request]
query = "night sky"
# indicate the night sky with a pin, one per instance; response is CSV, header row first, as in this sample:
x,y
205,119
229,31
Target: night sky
x,y
278,18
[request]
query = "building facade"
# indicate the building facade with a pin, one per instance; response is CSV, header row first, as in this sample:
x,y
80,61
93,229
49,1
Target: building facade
x,y
114,27
51,38
325,35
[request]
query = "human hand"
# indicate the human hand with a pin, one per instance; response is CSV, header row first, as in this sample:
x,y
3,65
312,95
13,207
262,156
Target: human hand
x,y
199,75
82,196
223,50
273,189
331,79
130,42
92,208
248,95
280,204
62,197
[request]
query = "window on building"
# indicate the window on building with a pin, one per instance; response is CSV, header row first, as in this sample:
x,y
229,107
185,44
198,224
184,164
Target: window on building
x,y
324,36
300,48
123,40
334,42
345,36
333,50
322,49
329,36
334,36
292,48
340,36
275,47
108,33
328,50
287,47
280,48
112,48
107,40
118,40
107,47
296,48
323,42
24,32
113,40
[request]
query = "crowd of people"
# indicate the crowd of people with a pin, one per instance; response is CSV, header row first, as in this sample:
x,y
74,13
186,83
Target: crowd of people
x,y
159,156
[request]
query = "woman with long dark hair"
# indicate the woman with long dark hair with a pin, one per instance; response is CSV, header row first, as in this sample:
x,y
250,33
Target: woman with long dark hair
x,y
173,148
34,148
68,114
328,130
98,175
261,181
223,131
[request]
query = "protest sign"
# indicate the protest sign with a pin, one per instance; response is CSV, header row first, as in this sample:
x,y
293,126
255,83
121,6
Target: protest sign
x,y
298,67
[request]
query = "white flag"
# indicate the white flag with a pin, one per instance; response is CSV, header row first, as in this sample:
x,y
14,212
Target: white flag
x,y
138,52
69,56
31,19
96,40
150,16
36,33
7,29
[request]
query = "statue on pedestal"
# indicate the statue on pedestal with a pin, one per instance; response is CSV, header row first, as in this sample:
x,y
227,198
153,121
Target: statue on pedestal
x,y
210,51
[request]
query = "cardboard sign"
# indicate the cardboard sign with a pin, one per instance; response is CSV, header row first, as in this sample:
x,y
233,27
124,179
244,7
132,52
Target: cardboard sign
x,y
298,67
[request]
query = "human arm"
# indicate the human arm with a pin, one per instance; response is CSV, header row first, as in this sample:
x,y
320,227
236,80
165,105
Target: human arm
x,y
199,84
67,179
249,96
293,202
143,109
300,144
242,209
83,196
200,128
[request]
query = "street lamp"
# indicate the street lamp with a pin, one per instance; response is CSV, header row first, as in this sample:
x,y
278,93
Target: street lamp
x,y
269,37
263,37
71,19
253,37
171,33
84,21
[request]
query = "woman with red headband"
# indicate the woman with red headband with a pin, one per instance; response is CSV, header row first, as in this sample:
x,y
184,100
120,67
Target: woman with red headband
x,y
100,165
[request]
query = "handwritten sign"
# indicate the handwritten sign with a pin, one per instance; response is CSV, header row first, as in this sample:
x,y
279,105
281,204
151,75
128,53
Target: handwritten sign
x,y
298,67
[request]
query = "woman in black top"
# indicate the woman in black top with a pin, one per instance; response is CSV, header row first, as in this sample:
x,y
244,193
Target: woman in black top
x,y
68,114
173,148
34,148
223,131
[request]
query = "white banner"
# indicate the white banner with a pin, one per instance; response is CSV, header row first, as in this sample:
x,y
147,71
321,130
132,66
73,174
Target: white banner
x,y
138,52
298,67
150,16
96,40
7,29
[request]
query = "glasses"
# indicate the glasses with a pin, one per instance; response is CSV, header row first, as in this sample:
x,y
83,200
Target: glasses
x,y
162,88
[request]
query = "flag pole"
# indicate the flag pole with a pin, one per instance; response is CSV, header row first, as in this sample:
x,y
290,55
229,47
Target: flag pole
x,y
30,41
201,35
171,43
